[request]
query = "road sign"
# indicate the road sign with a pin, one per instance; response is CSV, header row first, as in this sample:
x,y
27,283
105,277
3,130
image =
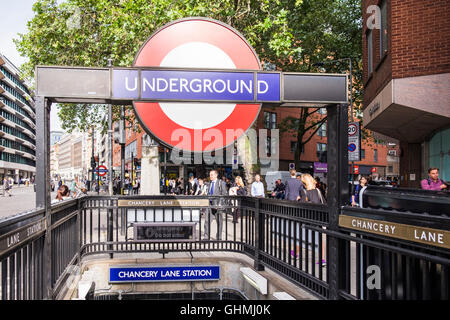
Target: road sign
x,y
291,165
198,43
354,142
101,170
351,147
356,169
352,129
373,169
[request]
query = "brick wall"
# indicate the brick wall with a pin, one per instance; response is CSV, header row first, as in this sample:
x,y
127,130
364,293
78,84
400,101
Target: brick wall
x,y
418,42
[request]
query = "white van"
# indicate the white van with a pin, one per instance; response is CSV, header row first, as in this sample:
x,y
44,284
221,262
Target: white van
x,y
273,176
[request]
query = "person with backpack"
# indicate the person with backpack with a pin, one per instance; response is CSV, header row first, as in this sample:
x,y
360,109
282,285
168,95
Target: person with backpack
x,y
433,182
310,193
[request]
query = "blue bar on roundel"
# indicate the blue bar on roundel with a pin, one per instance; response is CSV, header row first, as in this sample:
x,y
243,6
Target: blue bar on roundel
x,y
125,84
268,86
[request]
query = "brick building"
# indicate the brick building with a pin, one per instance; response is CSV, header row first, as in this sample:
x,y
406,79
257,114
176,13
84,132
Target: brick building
x,y
406,60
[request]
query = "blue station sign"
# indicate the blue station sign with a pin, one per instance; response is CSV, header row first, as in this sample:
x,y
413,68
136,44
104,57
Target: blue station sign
x,y
160,274
182,85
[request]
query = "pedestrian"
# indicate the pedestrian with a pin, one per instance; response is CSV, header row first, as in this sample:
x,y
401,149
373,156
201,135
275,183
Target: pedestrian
x,y
216,187
310,192
279,190
237,190
73,187
257,189
202,189
6,187
433,182
321,186
293,188
63,193
358,192
191,187
229,184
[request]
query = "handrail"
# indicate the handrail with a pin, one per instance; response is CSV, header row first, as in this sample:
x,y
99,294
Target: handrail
x,y
267,231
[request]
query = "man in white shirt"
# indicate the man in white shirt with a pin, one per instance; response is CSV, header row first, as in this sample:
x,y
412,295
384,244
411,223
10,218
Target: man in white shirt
x,y
258,188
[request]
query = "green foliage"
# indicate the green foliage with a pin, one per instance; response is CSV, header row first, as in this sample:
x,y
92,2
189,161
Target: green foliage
x,y
292,35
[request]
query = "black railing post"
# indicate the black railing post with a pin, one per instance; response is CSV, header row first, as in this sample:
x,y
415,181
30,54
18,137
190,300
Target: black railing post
x,y
110,232
43,186
337,159
259,236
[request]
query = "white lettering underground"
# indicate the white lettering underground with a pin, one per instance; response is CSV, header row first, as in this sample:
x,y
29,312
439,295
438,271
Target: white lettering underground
x,y
202,85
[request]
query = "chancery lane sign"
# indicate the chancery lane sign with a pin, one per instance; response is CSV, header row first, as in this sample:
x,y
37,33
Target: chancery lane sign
x,y
170,273
15,238
433,237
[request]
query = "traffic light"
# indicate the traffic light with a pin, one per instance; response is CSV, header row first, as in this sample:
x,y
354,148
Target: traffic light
x,y
119,132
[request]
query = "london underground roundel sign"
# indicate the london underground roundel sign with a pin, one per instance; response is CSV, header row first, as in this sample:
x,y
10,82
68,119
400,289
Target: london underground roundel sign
x,y
197,126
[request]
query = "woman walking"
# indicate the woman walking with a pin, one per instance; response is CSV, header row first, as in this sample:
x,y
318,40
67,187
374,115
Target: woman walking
x,y
311,194
237,190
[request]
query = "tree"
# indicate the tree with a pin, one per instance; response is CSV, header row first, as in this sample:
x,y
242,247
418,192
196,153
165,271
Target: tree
x,y
289,35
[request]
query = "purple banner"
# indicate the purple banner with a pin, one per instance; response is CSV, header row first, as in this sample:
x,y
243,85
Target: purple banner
x,y
180,85
320,167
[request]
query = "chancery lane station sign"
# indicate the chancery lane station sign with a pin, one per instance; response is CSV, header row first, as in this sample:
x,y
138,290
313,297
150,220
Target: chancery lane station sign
x,y
193,74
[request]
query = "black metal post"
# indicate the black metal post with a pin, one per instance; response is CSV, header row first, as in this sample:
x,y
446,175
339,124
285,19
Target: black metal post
x,y
337,163
43,185
132,174
165,171
122,150
93,159
259,236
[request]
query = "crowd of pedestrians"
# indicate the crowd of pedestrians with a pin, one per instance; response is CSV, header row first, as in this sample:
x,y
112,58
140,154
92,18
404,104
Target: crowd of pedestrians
x,y
299,187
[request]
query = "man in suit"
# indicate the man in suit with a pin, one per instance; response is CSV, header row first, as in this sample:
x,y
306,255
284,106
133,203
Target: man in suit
x,y
293,187
216,187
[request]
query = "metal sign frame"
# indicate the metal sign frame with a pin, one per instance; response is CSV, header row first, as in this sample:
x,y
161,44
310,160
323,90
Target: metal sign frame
x,y
51,84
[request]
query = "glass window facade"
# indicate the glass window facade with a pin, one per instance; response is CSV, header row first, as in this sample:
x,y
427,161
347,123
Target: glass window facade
x,y
13,79
17,125
439,151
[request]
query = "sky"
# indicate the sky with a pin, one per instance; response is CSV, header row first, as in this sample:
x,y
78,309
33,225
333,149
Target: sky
x,y
14,16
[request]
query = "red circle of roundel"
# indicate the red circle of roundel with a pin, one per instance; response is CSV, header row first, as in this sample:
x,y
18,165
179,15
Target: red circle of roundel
x,y
158,46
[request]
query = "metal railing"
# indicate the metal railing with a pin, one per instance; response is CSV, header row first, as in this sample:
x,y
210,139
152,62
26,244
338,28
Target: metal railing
x,y
296,240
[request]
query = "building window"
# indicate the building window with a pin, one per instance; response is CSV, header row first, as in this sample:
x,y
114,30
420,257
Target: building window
x,y
322,152
322,132
390,169
369,52
383,30
294,147
363,154
375,155
321,147
270,120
